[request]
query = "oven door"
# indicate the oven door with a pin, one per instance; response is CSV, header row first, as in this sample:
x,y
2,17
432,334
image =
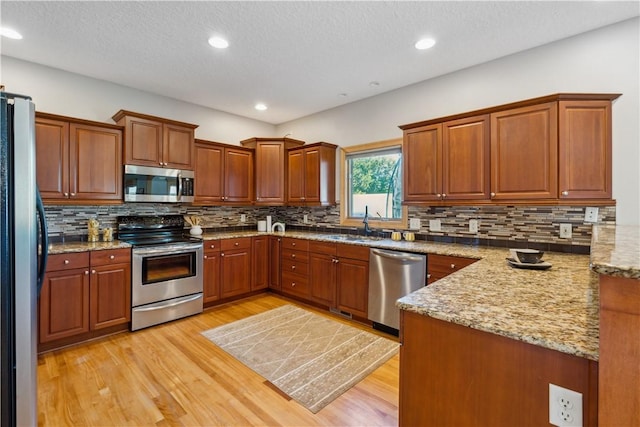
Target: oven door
x,y
166,271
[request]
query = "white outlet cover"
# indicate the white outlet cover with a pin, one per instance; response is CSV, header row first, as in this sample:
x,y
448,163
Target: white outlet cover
x,y
473,226
414,224
435,225
591,214
565,407
243,218
565,231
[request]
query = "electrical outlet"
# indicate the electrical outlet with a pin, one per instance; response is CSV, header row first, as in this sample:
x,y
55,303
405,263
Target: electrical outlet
x,y
414,224
435,225
473,226
305,219
565,231
591,215
565,407
243,218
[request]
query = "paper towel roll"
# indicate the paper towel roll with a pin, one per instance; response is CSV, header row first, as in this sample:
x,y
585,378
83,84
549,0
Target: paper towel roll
x,y
262,225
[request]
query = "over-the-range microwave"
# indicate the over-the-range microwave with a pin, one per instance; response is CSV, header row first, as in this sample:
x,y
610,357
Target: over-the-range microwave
x,y
149,184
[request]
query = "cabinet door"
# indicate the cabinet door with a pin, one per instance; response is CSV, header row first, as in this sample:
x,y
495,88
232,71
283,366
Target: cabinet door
x,y
466,159
95,163
524,153
322,278
270,173
353,286
211,276
235,274
274,262
260,263
238,181
209,172
52,158
177,147
296,180
143,142
64,304
585,149
312,175
422,157
110,293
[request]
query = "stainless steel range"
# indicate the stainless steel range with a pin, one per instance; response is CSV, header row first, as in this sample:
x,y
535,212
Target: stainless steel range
x,y
166,270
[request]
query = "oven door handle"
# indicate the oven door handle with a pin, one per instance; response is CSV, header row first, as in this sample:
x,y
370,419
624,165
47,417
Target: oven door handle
x,y
173,303
167,249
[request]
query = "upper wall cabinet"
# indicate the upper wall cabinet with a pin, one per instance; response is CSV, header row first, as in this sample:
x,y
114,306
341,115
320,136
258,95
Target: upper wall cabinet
x,y
78,161
550,150
312,175
271,168
447,161
224,174
154,141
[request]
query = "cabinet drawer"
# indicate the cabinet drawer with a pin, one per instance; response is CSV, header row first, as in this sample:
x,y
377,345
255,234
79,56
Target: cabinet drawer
x,y
211,245
239,243
447,264
322,248
297,244
115,256
353,252
68,261
293,266
295,255
295,283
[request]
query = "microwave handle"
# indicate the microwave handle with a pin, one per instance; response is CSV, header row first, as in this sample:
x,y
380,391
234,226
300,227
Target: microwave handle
x,y
179,185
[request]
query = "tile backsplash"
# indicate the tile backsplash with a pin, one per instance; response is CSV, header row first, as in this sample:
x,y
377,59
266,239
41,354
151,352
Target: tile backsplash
x,y
497,225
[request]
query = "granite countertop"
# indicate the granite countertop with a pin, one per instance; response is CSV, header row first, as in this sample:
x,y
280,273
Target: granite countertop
x,y
67,247
615,251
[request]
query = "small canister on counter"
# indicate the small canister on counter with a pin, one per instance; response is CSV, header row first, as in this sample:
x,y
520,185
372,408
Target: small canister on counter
x,y
107,234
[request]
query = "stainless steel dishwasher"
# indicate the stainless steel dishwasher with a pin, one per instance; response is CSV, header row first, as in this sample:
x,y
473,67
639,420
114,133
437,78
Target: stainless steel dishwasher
x,y
392,275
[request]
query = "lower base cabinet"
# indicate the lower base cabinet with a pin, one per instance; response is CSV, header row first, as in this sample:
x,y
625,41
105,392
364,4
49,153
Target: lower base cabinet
x,y
259,263
211,272
439,266
83,294
453,375
352,276
275,270
235,267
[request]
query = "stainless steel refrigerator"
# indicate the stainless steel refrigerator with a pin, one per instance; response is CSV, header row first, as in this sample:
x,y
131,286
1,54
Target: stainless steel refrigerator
x,y
22,265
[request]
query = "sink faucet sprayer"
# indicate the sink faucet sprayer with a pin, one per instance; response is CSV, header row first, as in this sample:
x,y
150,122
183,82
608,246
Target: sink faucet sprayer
x,y
365,221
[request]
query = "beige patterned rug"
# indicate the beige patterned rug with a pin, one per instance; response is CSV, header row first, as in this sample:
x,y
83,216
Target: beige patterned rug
x,y
311,358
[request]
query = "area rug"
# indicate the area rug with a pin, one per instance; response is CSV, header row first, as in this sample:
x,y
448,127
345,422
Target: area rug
x,y
309,357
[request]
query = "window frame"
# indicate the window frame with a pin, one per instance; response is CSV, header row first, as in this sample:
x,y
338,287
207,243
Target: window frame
x,y
374,222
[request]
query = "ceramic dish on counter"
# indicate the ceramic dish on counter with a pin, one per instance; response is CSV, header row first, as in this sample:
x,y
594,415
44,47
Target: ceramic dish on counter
x,y
542,265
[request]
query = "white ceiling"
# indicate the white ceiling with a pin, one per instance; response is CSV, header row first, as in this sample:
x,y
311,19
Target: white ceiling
x,y
296,57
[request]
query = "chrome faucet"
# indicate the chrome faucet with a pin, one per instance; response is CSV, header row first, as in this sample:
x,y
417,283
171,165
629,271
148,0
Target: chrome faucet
x,y
365,221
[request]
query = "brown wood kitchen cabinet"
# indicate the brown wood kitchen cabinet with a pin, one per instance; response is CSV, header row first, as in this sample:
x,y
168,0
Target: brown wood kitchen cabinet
x,y
554,149
211,272
223,174
259,263
275,278
78,161
84,295
312,170
352,279
439,266
271,168
448,161
323,272
235,267
155,141
295,267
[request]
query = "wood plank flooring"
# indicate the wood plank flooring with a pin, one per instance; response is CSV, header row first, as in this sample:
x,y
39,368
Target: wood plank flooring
x,y
170,375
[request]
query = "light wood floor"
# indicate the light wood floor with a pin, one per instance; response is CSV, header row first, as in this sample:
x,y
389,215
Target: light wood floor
x,y
170,375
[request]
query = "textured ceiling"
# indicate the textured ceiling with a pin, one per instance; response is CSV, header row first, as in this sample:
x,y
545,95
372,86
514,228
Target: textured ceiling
x,y
296,57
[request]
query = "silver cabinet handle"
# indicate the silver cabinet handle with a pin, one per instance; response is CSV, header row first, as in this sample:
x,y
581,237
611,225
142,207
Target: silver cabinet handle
x,y
66,194
493,194
205,257
236,244
112,257
444,195
293,244
212,246
293,267
93,272
429,276
293,284
160,163
222,254
565,193
439,196
293,255
66,261
73,194
453,266
86,273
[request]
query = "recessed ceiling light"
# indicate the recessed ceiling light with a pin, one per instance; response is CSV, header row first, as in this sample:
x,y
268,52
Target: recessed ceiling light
x,y
218,42
425,44
260,107
9,33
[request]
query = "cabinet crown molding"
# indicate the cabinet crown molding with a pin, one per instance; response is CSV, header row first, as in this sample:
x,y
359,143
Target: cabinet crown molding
x,y
124,113
518,104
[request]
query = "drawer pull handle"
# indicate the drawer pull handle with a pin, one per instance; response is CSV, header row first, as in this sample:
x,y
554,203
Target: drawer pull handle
x,y
293,267
565,193
293,255
66,261
237,244
221,254
86,272
493,194
112,257
293,284
453,266
93,272
212,246
205,257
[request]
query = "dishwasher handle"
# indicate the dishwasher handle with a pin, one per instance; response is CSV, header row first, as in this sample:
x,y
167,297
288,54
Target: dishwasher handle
x,y
398,256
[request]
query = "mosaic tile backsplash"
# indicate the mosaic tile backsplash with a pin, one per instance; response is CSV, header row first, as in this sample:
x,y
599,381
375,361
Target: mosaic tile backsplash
x,y
523,226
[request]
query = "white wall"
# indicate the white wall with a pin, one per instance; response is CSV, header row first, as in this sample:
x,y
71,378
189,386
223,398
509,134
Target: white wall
x,y
60,92
606,61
